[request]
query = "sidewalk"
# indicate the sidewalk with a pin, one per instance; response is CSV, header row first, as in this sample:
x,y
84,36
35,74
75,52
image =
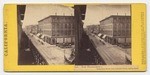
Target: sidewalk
x,y
51,53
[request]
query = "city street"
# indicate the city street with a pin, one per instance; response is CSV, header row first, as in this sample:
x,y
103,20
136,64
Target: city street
x,y
91,46
51,53
111,54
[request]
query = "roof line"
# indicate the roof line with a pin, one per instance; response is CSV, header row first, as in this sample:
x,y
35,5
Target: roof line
x,y
55,15
115,16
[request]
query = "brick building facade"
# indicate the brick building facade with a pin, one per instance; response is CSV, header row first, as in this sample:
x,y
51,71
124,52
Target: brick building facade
x,y
117,29
57,29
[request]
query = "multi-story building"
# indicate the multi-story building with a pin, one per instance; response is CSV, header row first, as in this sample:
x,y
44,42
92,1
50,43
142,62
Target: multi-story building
x,y
116,29
57,29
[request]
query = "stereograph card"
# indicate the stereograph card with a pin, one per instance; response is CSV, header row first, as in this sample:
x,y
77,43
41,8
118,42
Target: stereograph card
x,y
75,37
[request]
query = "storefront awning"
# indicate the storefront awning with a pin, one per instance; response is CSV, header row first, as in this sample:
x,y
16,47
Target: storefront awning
x,y
42,37
99,35
38,34
104,36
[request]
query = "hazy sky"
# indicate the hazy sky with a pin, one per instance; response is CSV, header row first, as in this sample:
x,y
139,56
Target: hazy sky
x,y
95,13
34,13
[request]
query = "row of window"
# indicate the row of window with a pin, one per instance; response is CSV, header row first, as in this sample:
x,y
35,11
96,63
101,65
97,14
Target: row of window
x,y
62,32
116,19
118,32
116,26
122,33
122,18
122,26
59,32
63,19
60,26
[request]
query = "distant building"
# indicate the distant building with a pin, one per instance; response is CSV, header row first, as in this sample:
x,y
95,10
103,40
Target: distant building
x,y
57,29
116,29
28,28
32,29
93,28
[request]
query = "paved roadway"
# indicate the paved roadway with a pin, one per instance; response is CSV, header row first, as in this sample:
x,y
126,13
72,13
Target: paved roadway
x,y
51,53
111,54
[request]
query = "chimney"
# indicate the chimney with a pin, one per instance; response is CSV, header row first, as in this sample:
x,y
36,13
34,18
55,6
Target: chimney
x,y
117,13
125,14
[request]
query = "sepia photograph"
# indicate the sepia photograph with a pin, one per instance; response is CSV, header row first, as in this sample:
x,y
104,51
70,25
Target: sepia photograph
x,y
80,34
